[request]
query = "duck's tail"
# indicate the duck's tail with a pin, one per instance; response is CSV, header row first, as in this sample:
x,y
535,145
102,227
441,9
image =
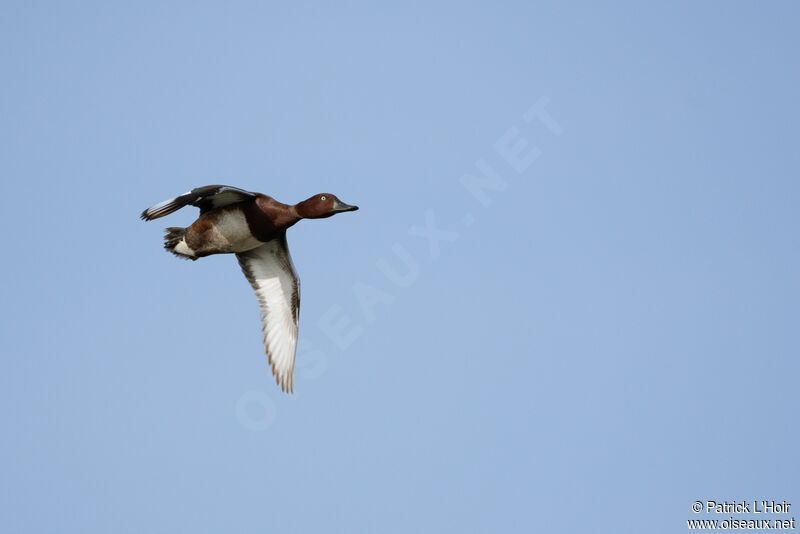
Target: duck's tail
x,y
175,242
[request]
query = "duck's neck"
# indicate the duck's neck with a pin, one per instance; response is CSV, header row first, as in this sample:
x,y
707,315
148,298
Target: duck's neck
x,y
277,215
294,216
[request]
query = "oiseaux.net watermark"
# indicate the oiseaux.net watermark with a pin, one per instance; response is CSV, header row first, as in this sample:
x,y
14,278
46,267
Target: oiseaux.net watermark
x,y
742,515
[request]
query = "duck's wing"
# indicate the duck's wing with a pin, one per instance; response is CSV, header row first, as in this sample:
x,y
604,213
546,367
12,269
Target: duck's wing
x,y
206,198
270,271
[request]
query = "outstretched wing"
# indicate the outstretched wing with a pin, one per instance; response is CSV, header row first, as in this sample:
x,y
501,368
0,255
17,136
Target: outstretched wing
x,y
270,271
206,198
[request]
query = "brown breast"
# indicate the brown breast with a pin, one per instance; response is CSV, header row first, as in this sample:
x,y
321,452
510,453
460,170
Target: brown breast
x,y
268,218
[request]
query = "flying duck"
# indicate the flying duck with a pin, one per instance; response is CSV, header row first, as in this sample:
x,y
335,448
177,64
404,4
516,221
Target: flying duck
x,y
252,226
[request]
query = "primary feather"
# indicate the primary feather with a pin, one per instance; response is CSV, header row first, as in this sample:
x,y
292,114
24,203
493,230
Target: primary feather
x,y
270,271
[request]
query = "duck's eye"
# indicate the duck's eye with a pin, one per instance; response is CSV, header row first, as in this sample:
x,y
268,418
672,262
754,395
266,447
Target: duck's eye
x,y
323,197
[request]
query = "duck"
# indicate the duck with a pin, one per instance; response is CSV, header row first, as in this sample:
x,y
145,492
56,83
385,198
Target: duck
x,y
253,227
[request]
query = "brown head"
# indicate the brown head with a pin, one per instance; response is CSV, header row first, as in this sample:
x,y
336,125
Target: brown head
x,y
321,206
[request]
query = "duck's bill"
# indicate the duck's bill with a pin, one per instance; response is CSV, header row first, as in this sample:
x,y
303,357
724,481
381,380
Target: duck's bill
x,y
340,206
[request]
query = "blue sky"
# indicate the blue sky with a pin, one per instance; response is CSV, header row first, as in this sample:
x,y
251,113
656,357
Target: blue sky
x,y
602,333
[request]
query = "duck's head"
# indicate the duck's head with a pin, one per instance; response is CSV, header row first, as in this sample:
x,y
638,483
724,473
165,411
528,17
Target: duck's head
x,y
322,206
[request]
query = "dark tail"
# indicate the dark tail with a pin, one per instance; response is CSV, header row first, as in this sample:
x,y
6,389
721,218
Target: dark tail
x,y
174,236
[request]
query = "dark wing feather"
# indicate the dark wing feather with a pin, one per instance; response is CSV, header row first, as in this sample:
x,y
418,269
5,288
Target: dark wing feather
x,y
206,198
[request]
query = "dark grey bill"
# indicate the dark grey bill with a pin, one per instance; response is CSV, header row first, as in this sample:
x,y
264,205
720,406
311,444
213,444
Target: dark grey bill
x,y
341,206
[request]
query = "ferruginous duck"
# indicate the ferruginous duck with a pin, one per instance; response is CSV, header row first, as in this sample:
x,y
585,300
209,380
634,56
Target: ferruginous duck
x,y
252,226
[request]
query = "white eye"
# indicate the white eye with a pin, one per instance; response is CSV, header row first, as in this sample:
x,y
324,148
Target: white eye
x,y
323,197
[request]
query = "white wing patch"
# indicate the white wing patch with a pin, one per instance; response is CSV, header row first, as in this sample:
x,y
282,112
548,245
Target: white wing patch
x,y
206,198
270,271
163,208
